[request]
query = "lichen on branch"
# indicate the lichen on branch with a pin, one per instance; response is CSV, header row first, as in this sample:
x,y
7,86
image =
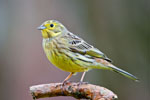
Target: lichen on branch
x,y
76,90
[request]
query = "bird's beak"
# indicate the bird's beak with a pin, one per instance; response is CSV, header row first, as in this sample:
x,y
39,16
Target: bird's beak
x,y
41,27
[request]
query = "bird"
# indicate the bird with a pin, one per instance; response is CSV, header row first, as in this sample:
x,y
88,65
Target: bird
x,y
72,54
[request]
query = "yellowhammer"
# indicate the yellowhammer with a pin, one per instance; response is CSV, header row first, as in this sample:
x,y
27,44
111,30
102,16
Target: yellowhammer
x,y
71,53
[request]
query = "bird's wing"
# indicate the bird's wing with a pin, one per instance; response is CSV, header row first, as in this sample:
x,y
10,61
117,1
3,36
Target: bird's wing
x,y
78,45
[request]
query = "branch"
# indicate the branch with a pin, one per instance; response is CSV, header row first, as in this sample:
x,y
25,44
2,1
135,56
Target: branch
x,y
76,90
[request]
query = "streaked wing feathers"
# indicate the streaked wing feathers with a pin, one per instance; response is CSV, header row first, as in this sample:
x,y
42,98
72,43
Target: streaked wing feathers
x,y
80,46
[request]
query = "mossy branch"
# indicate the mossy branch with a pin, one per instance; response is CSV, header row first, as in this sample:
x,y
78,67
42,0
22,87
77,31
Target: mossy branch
x,y
76,90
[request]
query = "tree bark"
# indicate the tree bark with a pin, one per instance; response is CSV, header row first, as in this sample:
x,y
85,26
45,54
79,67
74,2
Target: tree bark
x,y
76,90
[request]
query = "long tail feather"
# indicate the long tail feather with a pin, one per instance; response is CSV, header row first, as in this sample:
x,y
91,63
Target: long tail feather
x,y
103,64
122,72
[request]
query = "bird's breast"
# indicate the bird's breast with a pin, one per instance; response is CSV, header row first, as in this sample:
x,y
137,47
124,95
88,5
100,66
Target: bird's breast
x,y
61,57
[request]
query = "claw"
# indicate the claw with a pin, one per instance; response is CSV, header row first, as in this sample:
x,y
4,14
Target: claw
x,y
64,83
82,83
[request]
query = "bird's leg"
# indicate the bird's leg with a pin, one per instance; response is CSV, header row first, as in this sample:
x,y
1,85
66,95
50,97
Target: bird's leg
x,y
81,80
83,75
67,78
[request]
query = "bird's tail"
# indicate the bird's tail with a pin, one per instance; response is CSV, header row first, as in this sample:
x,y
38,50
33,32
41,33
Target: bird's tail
x,y
122,72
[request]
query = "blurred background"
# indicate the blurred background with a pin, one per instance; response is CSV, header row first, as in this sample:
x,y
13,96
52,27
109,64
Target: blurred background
x,y
119,28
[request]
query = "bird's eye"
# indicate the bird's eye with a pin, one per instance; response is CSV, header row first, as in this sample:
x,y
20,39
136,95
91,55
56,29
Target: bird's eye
x,y
51,25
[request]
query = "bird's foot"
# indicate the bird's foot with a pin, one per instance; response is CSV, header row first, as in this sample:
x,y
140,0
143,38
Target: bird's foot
x,y
82,83
64,83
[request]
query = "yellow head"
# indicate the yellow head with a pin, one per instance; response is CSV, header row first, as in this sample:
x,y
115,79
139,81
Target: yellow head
x,y
52,28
